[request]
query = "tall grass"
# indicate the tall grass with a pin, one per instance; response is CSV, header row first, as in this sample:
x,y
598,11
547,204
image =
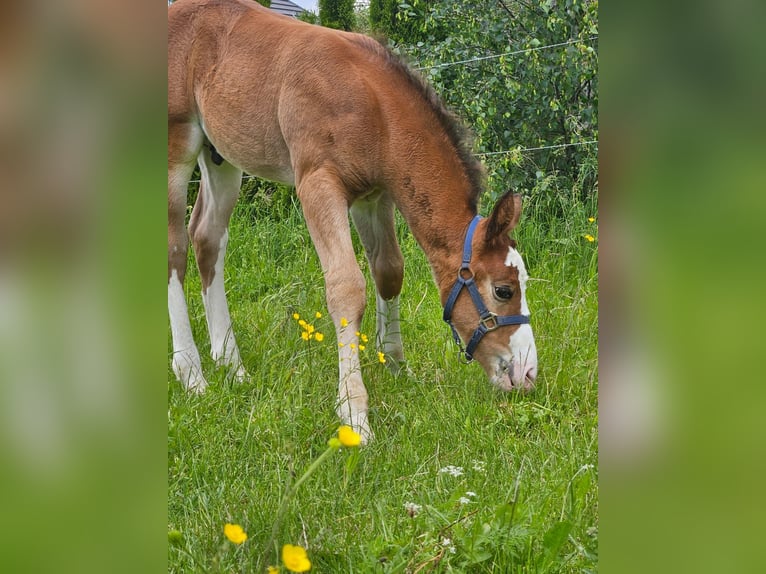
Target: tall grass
x,y
527,460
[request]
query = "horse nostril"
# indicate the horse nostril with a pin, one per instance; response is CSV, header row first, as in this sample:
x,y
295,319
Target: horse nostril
x,y
531,373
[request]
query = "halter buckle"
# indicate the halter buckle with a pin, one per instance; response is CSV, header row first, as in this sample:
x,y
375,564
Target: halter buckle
x,y
489,322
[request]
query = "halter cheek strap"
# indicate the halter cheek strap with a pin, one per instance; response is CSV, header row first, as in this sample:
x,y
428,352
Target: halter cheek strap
x,y
488,321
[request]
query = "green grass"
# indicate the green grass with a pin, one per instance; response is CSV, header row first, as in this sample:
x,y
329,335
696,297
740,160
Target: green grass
x,y
530,459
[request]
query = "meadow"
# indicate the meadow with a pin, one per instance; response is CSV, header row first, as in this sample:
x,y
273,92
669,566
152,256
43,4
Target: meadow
x,y
461,477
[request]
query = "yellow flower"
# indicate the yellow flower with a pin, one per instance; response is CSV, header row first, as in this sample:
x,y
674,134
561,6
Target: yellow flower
x,y
234,533
295,559
591,219
296,316
272,570
334,442
381,357
341,345
318,315
364,338
348,437
343,322
362,347
589,237
305,336
352,345
302,323
319,336
357,333
309,328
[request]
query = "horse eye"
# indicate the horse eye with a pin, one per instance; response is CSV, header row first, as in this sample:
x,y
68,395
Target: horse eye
x,y
503,292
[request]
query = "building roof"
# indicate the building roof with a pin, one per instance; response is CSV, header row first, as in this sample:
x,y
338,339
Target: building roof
x,y
286,8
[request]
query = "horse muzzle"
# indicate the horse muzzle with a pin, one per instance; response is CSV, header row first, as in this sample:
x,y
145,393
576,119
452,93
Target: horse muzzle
x,y
515,376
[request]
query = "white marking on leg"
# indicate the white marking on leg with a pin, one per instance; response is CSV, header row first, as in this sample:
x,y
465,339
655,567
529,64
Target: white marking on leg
x,y
222,342
389,336
522,342
352,395
186,361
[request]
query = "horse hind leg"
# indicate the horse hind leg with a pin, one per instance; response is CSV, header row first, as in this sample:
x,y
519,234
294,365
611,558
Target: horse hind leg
x,y
374,221
183,144
208,227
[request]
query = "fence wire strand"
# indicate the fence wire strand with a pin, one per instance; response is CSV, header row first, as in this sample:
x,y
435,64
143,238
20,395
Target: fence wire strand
x,y
495,56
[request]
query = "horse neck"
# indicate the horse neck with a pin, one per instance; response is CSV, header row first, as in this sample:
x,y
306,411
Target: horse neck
x,y
433,194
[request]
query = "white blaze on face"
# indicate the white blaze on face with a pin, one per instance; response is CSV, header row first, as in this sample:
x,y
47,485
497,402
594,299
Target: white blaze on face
x,y
522,341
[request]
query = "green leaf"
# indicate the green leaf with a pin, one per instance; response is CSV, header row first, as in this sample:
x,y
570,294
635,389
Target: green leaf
x,y
555,538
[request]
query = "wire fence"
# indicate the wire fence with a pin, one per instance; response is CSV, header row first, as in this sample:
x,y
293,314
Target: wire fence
x,y
506,54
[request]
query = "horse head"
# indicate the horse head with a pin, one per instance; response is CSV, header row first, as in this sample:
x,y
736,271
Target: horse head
x,y
487,306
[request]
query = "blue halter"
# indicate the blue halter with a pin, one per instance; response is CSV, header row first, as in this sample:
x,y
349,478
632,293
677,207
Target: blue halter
x,y
488,321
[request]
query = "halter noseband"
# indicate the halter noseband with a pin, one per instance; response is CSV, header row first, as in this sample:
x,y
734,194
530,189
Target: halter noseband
x,y
488,321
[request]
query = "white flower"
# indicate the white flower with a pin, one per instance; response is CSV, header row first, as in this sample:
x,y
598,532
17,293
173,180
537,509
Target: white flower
x,y
412,509
447,543
463,500
471,494
478,466
452,470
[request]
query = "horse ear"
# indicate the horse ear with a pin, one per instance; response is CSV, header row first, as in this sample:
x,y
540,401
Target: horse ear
x,y
504,216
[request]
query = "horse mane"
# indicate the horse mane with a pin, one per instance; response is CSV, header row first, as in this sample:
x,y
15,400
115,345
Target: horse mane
x,y
459,135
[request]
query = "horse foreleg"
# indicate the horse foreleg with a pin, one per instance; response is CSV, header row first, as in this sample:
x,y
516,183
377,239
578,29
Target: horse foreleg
x,y
208,228
374,220
325,209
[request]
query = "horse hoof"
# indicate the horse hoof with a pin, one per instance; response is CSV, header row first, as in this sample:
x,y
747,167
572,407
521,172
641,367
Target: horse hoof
x,y
361,425
240,375
196,385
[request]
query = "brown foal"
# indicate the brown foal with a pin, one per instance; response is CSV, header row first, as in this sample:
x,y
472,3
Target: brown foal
x,y
354,130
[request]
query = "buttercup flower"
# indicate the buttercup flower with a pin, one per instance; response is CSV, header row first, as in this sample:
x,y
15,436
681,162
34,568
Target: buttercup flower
x,y
348,437
318,315
591,219
319,336
343,322
296,316
234,533
305,335
589,237
272,570
381,357
295,559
